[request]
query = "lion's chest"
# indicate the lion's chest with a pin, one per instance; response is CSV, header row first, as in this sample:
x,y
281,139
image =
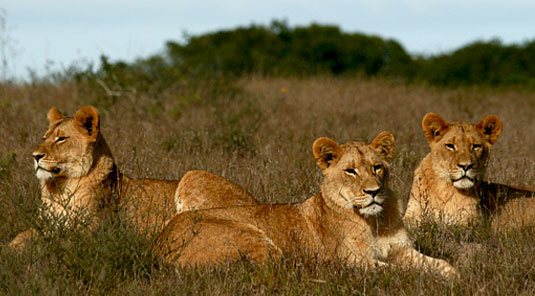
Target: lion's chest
x,y
441,201
69,201
460,209
56,209
357,241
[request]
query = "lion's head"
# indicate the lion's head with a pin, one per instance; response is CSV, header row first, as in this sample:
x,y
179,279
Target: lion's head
x,y
68,145
460,150
355,173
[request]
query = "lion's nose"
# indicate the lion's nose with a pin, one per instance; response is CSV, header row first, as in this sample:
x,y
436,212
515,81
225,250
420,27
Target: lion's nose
x,y
37,156
372,192
465,166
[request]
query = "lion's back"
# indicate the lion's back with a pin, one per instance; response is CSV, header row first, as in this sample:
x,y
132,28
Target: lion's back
x,y
203,190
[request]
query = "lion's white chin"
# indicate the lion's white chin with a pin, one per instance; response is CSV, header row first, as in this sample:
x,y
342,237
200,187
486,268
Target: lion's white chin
x,y
463,183
43,175
372,210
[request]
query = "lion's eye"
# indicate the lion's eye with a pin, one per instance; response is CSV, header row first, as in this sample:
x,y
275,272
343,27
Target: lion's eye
x,y
350,172
60,139
450,147
476,146
377,167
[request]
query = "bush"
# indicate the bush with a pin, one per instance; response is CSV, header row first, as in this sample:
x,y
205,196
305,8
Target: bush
x,y
488,63
281,50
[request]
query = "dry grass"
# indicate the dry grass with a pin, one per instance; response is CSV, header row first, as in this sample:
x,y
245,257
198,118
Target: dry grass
x,y
258,135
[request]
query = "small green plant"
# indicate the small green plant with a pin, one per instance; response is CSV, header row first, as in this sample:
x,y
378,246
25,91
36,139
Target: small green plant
x,y
5,163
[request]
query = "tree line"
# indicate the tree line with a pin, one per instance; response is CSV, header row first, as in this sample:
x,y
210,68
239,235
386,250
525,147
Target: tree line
x,y
281,50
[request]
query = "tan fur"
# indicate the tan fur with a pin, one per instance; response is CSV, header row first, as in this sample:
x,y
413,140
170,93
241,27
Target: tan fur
x,y
439,191
355,218
203,190
78,176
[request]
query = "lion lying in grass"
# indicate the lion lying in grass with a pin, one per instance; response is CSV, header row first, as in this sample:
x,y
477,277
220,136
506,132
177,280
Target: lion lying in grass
x,y
355,218
447,186
78,176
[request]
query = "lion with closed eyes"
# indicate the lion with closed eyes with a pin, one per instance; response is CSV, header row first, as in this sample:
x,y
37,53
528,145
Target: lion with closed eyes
x,y
78,177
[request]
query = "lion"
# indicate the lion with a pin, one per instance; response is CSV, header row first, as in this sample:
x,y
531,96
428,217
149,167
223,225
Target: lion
x,y
78,177
355,218
448,186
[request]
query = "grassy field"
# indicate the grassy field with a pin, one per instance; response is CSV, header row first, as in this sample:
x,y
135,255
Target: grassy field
x,y
258,133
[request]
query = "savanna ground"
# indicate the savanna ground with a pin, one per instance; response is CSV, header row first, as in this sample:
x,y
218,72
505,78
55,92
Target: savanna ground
x,y
257,132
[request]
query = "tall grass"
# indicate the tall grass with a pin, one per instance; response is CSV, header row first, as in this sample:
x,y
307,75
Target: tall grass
x,y
258,133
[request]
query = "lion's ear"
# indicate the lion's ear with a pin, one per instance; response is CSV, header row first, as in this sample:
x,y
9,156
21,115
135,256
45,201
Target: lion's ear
x,y
88,120
491,127
383,145
54,115
434,127
327,152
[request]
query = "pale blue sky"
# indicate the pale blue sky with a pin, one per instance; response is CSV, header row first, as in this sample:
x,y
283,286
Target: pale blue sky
x,y
66,31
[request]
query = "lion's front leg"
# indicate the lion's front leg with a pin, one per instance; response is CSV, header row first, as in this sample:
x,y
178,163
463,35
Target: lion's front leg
x,y
21,241
360,258
366,263
407,256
